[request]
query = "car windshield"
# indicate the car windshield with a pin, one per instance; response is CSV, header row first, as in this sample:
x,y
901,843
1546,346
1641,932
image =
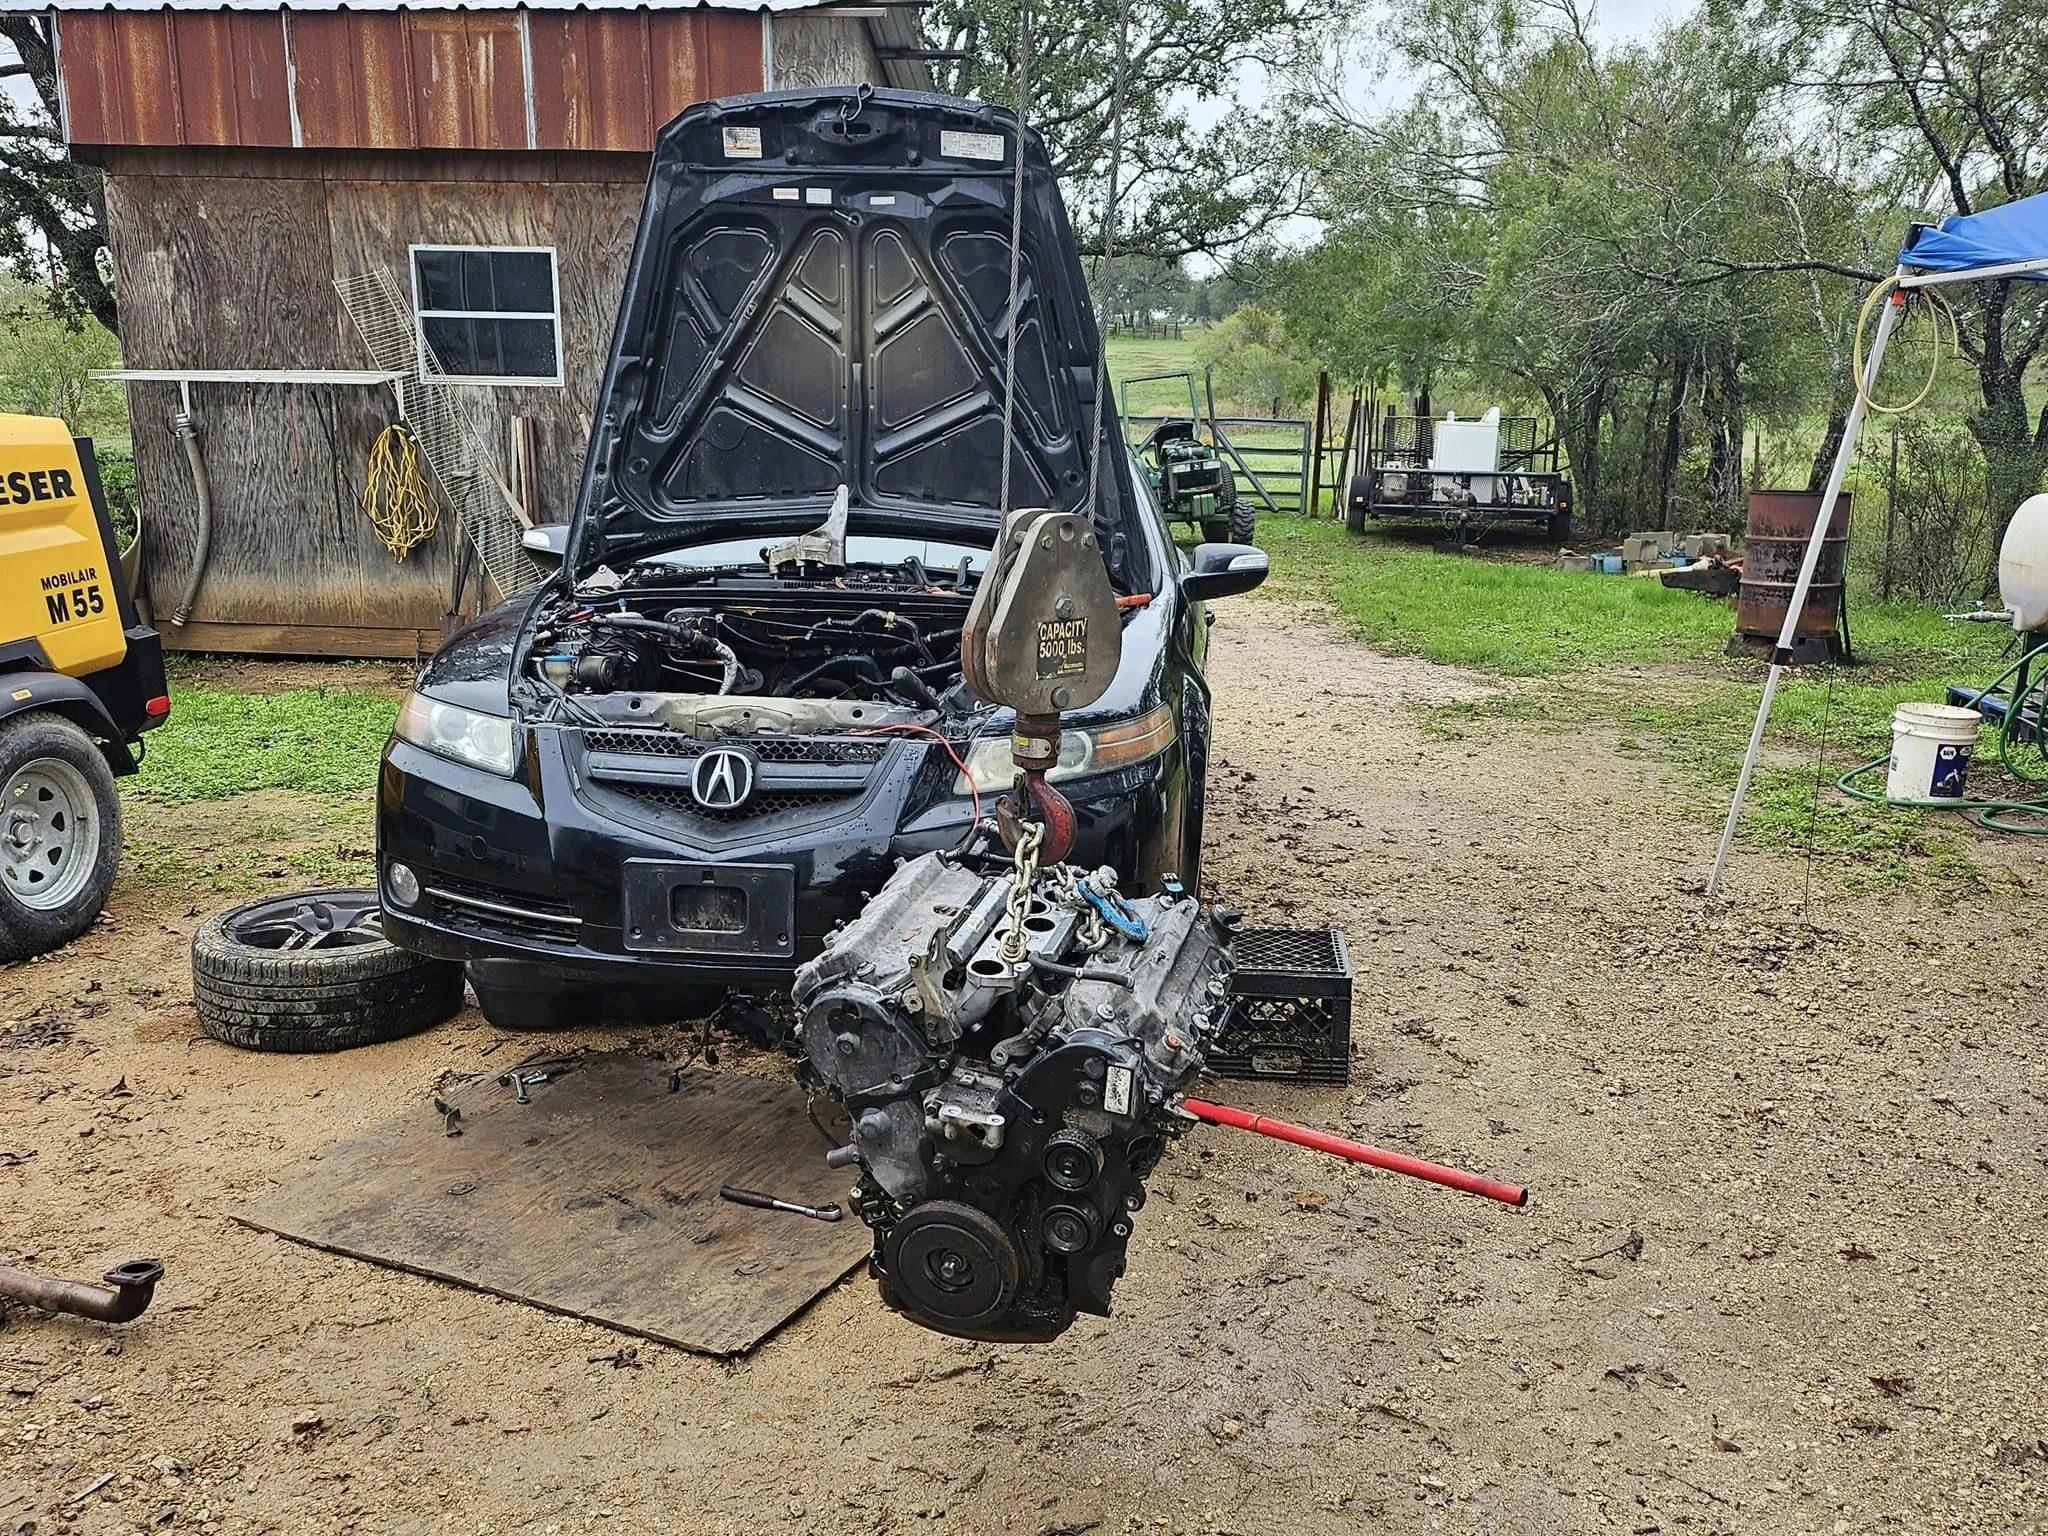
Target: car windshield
x,y
883,549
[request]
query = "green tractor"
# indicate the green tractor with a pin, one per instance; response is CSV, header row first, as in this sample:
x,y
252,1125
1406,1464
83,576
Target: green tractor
x,y
1190,479
1193,484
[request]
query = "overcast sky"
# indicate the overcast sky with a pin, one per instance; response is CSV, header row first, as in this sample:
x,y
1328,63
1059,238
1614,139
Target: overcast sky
x,y
1632,18
1614,21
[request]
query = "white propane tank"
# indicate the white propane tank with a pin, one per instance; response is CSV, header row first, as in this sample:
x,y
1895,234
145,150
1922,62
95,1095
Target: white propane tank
x,y
2023,565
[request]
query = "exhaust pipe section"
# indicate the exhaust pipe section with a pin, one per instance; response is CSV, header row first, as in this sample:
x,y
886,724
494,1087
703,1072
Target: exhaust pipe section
x,y
125,1293
202,542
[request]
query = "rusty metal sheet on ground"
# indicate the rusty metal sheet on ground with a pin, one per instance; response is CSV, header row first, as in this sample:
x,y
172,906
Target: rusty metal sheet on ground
x,y
598,1198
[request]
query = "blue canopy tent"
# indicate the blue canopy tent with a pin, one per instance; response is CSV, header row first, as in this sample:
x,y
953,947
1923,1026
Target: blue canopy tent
x,y
2010,241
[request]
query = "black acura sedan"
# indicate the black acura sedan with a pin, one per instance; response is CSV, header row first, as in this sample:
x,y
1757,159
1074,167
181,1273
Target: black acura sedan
x,y
679,761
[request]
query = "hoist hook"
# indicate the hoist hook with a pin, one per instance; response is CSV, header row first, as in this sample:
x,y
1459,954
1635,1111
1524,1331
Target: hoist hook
x,y
1041,803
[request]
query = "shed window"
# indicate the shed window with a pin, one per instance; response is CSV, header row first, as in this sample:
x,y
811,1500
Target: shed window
x,y
488,314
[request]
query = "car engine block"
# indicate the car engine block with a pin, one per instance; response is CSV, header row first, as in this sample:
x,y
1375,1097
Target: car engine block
x,y
1012,1057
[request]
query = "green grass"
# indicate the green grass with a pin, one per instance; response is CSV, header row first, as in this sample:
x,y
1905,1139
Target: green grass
x,y
1633,655
1516,620
248,867
1133,357
220,742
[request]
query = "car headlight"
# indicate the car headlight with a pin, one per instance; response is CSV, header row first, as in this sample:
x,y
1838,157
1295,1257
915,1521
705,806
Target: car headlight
x,y
1083,753
466,735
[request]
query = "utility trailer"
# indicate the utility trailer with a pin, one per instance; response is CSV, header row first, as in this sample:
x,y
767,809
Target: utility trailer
x,y
1466,475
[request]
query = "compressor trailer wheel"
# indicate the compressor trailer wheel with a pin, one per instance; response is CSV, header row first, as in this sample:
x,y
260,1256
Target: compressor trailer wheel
x,y
60,833
312,971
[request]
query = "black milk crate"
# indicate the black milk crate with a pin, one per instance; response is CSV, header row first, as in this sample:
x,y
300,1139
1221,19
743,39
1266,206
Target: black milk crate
x,y
1290,1008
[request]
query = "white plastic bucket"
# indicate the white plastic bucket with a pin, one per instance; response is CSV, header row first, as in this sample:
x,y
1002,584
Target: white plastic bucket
x,y
1931,746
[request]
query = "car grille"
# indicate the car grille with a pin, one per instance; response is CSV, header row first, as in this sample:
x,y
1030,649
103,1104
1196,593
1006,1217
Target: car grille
x,y
492,912
797,774
769,749
766,803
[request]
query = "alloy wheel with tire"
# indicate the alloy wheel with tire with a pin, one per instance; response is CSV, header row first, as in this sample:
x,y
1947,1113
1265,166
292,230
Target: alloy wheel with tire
x,y
312,971
60,833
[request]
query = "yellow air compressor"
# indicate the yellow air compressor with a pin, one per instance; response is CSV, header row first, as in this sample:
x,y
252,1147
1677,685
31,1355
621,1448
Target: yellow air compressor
x,y
81,678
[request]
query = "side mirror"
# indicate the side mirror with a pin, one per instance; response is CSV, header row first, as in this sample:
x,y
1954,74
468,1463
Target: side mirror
x,y
547,543
1223,570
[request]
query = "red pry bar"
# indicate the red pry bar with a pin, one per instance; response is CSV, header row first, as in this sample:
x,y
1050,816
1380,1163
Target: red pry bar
x,y
1357,1151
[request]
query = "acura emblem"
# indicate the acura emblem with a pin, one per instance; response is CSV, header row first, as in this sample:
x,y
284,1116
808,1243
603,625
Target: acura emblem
x,y
723,779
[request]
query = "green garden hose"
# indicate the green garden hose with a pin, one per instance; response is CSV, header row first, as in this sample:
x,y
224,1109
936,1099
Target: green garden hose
x,y
1985,813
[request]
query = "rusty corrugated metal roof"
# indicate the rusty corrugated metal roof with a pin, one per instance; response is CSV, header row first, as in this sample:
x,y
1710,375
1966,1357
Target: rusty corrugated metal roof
x,y
454,5
493,78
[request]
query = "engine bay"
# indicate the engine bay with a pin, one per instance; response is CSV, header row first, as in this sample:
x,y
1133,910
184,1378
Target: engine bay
x,y
883,636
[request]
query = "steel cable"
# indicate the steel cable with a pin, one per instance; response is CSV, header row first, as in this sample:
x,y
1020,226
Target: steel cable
x,y
1116,157
1016,243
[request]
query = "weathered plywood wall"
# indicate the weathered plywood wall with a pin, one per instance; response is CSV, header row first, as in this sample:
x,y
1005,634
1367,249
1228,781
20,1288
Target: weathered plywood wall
x,y
810,51
229,261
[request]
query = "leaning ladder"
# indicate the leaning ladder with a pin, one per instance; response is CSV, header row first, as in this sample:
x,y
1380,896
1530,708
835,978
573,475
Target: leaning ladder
x,y
447,424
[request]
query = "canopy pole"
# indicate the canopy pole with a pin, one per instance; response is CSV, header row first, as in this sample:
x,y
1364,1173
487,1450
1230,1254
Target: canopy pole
x,y
1782,653
2033,267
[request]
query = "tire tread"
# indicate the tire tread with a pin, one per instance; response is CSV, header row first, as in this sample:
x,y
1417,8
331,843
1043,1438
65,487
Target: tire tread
x,y
315,1000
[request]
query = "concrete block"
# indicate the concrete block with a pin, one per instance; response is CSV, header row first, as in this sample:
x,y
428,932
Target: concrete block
x,y
1577,565
1641,548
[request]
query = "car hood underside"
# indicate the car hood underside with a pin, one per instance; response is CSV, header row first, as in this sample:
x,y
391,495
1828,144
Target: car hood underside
x,y
819,297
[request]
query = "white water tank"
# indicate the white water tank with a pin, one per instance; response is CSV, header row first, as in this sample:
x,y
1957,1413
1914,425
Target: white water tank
x,y
2023,565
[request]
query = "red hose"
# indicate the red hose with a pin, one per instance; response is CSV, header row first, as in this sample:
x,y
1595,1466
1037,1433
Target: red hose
x,y
1357,1151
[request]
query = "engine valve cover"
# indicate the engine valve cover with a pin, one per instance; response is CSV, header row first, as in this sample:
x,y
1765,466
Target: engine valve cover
x,y
1009,1097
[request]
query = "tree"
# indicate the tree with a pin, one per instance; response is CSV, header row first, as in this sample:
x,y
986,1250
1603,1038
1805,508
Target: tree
x,y
1215,296
1527,225
1183,188
1254,362
1142,286
1951,97
47,360
52,208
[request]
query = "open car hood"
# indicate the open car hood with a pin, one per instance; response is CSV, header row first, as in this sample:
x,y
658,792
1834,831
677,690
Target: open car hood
x,y
819,297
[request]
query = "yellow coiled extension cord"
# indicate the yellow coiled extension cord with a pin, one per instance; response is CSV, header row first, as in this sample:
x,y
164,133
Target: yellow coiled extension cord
x,y
395,495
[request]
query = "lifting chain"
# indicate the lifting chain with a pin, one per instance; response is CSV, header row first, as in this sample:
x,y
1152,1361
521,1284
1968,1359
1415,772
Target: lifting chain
x,y
1024,861
1067,882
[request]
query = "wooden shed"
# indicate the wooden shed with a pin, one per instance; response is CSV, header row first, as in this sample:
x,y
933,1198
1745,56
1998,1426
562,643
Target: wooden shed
x,y
325,213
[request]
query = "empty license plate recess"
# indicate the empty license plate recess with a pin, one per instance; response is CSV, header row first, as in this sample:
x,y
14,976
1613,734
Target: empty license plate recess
x,y
711,909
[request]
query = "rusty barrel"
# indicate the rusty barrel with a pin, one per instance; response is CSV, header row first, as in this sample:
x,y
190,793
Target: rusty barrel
x,y
1780,523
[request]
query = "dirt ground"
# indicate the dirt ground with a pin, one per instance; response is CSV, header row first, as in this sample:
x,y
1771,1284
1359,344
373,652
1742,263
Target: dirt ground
x,y
1782,1271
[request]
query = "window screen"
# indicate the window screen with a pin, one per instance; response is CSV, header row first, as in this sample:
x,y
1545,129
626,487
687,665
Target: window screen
x,y
488,313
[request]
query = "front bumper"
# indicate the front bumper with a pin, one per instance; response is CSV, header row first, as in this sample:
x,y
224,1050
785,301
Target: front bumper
x,y
533,869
